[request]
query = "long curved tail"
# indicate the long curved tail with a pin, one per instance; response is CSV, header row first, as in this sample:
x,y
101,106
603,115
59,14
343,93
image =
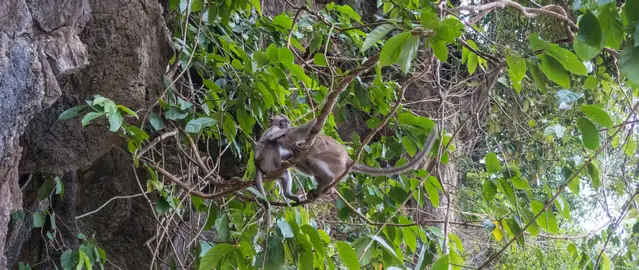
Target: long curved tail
x,y
361,168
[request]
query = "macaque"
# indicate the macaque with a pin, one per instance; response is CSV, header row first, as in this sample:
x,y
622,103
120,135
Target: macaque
x,y
268,154
327,159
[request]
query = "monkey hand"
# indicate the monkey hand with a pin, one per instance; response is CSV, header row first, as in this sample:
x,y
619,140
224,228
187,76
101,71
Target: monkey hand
x,y
298,147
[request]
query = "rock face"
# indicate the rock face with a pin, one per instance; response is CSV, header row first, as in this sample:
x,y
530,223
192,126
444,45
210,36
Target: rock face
x,y
53,56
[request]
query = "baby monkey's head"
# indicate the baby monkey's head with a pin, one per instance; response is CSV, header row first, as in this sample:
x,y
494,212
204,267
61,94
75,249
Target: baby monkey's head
x,y
280,120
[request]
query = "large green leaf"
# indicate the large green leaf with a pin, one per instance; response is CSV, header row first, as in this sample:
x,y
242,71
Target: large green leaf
x,y
590,30
597,115
489,189
589,133
38,219
392,49
409,52
583,51
631,11
492,163
376,35
72,112
567,59
611,26
629,61
348,255
441,263
439,49
594,175
554,71
215,255
516,71
196,125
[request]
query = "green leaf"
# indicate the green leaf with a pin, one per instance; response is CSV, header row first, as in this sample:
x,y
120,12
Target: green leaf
x,y
574,184
349,12
439,49
72,112
315,238
156,121
385,245
516,71
520,183
45,190
215,255
320,60
285,55
348,255
229,127
175,114
409,145
631,11
590,30
285,228
90,117
115,121
567,59
472,63
212,217
162,205
605,262
583,51
554,70
392,49
258,7
245,120
611,26
629,61
597,115
489,189
283,21
572,249
409,52
509,191
431,190
69,259
196,125
272,52
441,263
537,43
631,146
591,83
589,133
38,219
410,238
492,163
376,35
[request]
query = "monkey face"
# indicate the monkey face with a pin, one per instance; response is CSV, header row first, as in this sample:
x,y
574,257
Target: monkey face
x,y
280,120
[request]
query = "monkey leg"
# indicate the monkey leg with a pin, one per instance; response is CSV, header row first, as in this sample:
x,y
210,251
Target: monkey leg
x,y
325,167
287,184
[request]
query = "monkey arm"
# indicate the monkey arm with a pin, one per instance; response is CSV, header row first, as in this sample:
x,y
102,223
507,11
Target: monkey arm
x,y
274,135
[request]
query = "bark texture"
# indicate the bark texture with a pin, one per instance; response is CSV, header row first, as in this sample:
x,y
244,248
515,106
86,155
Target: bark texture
x,y
55,55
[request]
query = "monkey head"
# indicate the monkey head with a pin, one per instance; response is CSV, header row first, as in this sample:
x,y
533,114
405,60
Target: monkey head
x,y
279,120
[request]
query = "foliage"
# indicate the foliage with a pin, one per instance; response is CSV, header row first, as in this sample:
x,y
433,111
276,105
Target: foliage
x,y
558,134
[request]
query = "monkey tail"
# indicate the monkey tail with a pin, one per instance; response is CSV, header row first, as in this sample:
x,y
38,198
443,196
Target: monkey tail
x,y
411,164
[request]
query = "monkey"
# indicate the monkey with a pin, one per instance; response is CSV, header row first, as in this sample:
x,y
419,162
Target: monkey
x,y
268,154
326,159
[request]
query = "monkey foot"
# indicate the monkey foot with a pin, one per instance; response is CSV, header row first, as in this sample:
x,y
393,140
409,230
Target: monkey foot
x,y
313,194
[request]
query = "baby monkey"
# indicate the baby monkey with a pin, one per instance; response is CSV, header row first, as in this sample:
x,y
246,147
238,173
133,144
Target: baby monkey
x,y
327,159
268,154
